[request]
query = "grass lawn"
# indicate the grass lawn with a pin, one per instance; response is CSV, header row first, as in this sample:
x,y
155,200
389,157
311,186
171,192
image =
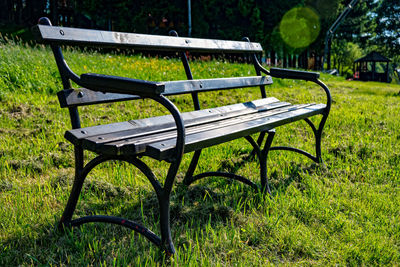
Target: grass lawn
x,y
346,213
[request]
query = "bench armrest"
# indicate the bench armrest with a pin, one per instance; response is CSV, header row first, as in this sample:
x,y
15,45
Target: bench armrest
x,y
302,75
120,85
293,74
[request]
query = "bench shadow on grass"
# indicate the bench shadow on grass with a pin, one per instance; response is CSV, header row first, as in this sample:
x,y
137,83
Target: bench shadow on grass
x,y
191,207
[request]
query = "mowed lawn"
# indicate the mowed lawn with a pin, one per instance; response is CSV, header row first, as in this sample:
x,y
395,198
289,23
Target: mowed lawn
x,y
346,213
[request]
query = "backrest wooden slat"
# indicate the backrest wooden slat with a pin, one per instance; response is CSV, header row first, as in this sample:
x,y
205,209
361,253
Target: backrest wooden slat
x,y
76,36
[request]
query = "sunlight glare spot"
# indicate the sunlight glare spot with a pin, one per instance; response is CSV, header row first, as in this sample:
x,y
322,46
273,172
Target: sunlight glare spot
x,y
299,27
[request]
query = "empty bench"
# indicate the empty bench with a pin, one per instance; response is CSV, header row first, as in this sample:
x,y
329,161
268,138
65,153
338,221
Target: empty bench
x,y
167,138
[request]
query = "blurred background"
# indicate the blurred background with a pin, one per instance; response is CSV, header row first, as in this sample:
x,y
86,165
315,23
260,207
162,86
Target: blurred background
x,y
292,32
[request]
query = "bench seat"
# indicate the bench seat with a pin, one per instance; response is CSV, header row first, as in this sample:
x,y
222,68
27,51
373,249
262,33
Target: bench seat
x,y
156,136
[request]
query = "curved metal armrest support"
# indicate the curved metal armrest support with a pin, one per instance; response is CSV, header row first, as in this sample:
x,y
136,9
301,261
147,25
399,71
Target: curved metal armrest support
x,y
299,75
180,139
328,95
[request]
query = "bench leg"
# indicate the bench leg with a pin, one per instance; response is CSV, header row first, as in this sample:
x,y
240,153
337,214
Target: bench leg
x,y
260,140
165,226
190,178
163,195
262,155
263,162
75,191
192,167
163,192
318,138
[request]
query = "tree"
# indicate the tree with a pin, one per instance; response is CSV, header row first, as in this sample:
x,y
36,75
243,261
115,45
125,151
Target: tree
x,y
387,29
359,25
344,55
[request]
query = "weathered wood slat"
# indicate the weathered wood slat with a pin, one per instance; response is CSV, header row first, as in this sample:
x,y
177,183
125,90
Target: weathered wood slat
x,y
158,143
142,141
76,36
122,85
163,149
162,122
83,96
163,128
190,86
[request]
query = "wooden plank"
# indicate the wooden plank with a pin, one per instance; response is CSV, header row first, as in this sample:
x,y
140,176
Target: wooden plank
x,y
190,86
118,89
123,85
162,150
231,128
196,128
76,36
166,121
164,128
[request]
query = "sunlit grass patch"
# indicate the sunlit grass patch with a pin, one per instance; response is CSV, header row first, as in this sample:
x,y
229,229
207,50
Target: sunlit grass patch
x,y
346,213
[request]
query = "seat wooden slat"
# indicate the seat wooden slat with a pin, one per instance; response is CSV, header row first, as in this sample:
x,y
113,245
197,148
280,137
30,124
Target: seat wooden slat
x,y
165,129
163,149
76,36
158,144
124,129
234,120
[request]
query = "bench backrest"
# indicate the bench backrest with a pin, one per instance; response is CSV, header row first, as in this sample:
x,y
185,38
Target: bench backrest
x,y
75,36
72,98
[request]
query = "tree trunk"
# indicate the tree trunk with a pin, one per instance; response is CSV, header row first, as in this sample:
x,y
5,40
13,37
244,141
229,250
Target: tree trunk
x,y
284,60
18,13
273,58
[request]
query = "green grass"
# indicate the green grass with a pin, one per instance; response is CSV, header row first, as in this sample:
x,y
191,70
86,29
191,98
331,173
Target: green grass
x,y
345,214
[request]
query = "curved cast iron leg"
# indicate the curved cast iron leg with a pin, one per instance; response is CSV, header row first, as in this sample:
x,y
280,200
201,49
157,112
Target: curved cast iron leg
x,y
263,162
263,156
192,167
165,227
75,191
164,197
318,137
260,140
190,178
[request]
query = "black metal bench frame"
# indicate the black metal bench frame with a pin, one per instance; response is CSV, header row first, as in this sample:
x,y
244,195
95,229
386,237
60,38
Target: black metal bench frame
x,y
102,89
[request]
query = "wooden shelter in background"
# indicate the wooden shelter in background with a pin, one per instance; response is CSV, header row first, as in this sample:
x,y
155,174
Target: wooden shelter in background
x,y
365,68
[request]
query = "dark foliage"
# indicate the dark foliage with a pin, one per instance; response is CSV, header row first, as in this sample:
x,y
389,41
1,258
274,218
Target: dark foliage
x,y
370,23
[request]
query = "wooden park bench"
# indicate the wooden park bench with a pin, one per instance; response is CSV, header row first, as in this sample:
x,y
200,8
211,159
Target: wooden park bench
x,y
167,138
